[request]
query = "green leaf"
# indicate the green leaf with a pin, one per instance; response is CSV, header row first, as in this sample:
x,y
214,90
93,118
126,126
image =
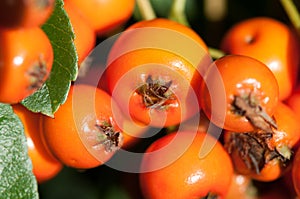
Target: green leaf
x,y
64,70
16,177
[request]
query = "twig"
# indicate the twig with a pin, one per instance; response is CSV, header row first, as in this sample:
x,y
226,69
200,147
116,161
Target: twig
x,y
146,9
177,12
292,12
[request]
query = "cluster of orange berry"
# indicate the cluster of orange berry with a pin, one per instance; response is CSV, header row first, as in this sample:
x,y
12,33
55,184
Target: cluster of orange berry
x,y
227,121
26,59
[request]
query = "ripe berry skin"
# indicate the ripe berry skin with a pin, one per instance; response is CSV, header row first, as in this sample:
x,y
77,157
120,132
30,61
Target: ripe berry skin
x,y
25,13
26,58
105,15
83,133
152,84
189,176
45,166
258,37
233,79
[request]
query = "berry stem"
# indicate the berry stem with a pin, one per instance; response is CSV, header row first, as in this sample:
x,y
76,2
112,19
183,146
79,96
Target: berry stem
x,y
292,12
146,9
177,12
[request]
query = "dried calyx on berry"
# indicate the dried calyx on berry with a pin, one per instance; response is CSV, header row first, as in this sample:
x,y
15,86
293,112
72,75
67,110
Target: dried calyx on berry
x,y
37,74
108,137
249,107
256,148
156,94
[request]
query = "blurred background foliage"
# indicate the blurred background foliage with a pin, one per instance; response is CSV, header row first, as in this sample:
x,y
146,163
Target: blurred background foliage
x,y
210,19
